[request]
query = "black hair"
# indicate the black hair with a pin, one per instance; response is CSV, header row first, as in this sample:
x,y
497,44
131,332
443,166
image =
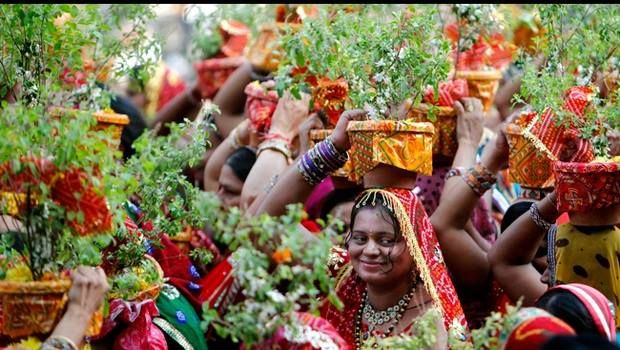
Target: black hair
x,y
338,196
579,342
567,307
514,212
241,162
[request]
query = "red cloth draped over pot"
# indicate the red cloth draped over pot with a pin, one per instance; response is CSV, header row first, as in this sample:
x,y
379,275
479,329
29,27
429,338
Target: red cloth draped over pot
x,y
449,92
260,105
137,329
583,187
213,73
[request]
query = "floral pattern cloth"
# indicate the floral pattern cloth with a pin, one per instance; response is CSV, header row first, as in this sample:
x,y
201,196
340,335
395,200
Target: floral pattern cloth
x,y
260,106
583,187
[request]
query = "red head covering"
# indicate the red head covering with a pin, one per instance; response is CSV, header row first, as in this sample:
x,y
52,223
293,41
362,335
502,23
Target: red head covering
x,y
533,327
599,307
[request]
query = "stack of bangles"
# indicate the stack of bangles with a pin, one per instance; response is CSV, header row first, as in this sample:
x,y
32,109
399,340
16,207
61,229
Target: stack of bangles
x,y
320,161
479,179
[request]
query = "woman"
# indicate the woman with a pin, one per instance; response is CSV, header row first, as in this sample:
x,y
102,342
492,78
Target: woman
x,y
530,328
584,308
393,261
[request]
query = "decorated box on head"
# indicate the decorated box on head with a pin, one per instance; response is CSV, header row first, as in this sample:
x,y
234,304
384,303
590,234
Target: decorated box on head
x,y
235,37
214,72
444,138
482,85
582,187
530,162
404,144
35,307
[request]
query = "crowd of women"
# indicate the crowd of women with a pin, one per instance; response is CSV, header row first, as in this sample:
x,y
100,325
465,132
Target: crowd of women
x,y
412,244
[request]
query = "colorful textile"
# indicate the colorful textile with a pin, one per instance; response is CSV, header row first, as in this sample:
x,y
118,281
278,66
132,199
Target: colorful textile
x,y
531,328
161,89
444,137
403,144
315,201
220,286
426,253
530,163
583,187
449,92
329,96
590,259
235,37
260,106
213,73
315,333
182,322
563,141
135,321
598,307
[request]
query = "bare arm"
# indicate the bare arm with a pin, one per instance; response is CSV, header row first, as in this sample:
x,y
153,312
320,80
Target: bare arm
x,y
287,117
85,297
292,187
512,254
464,257
231,99
239,137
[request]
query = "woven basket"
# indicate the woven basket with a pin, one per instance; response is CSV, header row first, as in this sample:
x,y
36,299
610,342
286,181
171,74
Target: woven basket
x,y
28,308
400,143
530,164
444,138
181,240
107,121
152,291
482,84
319,135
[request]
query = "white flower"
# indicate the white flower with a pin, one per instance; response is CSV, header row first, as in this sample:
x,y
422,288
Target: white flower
x,y
401,53
380,63
276,296
379,77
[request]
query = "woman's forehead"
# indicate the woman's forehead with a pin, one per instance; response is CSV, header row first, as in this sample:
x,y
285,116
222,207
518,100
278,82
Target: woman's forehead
x,y
373,219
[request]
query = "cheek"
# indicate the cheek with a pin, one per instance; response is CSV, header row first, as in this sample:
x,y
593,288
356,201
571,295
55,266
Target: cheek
x,y
401,259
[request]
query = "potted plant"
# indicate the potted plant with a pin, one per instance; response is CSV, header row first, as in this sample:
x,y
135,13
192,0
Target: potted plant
x,y
63,199
383,58
479,50
219,42
276,277
58,55
566,108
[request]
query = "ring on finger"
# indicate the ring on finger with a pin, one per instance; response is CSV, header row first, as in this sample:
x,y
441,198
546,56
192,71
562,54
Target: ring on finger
x,y
469,107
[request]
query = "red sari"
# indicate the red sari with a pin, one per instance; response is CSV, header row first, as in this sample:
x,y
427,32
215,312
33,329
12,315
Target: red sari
x,y
423,247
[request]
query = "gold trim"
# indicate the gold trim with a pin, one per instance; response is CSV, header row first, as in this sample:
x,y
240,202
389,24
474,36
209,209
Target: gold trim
x,y
173,333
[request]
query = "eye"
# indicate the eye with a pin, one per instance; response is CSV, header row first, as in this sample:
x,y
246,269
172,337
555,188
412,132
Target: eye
x,y
388,242
359,239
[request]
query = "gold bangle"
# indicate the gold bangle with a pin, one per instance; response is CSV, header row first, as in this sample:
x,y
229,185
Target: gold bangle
x,y
275,145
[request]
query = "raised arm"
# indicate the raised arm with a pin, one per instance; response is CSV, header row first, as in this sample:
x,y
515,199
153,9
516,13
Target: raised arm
x,y
464,257
240,136
274,154
85,297
512,254
293,187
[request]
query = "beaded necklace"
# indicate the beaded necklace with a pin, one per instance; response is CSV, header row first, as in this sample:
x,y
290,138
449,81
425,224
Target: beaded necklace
x,y
393,314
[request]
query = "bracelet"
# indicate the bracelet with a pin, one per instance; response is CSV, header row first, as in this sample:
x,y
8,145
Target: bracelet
x,y
275,145
58,342
457,171
321,160
479,179
538,220
276,136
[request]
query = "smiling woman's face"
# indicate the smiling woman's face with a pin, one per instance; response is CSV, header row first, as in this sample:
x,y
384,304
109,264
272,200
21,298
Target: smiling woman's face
x,y
379,254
